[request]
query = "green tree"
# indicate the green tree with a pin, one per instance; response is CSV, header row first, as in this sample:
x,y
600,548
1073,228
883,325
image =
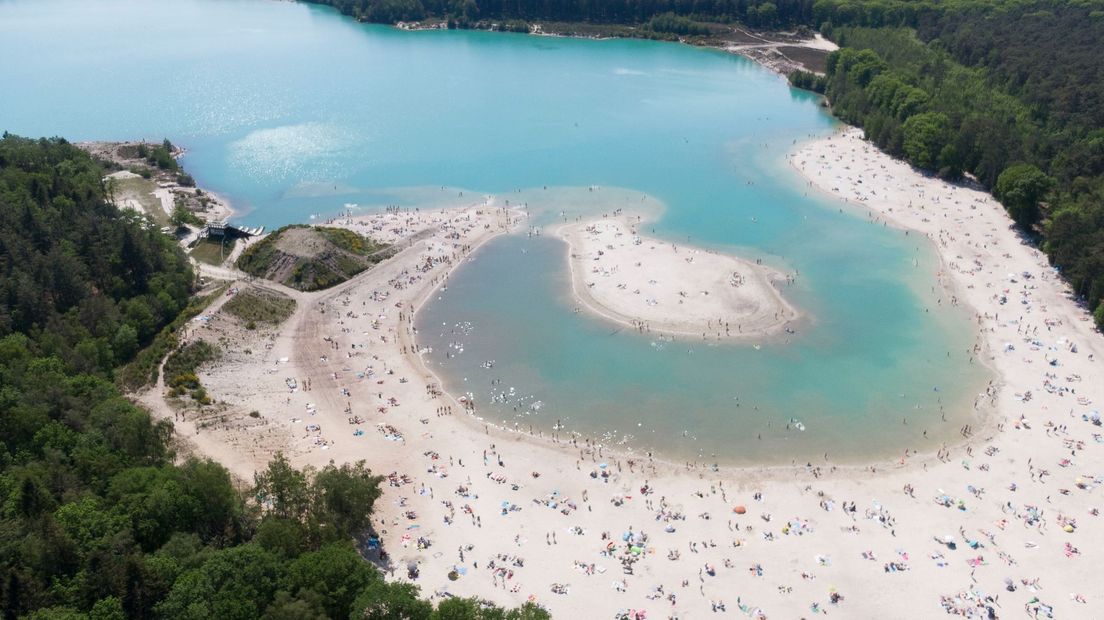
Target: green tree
x,y
236,584
288,607
87,523
1020,188
181,216
528,611
209,484
335,573
925,136
57,613
282,488
155,502
110,608
768,14
458,609
397,601
125,343
284,537
344,497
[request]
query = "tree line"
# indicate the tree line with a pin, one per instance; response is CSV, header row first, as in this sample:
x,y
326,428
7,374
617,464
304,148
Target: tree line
x,y
99,519
758,13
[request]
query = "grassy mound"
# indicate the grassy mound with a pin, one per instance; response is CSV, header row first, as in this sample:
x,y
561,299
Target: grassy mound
x,y
259,306
309,258
211,251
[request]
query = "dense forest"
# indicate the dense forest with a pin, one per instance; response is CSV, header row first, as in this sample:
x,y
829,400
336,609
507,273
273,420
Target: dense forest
x,y
99,519
1010,92
86,283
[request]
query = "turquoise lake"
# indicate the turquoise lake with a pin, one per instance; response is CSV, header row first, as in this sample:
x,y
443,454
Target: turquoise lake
x,y
292,111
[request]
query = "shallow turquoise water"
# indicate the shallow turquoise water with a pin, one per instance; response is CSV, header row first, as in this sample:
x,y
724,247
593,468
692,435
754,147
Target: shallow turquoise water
x,y
291,110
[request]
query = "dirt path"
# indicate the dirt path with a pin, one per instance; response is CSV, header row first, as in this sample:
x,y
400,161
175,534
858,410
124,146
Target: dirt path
x,y
189,439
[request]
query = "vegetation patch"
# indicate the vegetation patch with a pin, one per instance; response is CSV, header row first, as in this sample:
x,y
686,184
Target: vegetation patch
x,y
259,306
143,369
137,189
187,359
1009,97
160,155
311,257
152,167
348,240
182,366
212,251
91,282
182,216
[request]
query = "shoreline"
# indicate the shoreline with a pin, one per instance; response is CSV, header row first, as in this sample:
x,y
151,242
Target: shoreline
x,y
666,464
988,417
164,185
765,49
226,210
682,508
662,464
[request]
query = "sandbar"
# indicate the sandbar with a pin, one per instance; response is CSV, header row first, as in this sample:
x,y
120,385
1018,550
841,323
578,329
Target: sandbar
x,y
658,286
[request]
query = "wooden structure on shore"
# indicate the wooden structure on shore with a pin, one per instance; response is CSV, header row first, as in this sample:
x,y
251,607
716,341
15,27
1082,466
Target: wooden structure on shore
x,y
224,230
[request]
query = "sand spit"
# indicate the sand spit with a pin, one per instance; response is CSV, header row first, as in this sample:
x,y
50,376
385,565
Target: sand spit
x,y
660,287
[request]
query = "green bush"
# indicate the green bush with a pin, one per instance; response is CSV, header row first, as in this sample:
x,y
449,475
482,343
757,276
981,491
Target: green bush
x,y
255,305
349,241
182,366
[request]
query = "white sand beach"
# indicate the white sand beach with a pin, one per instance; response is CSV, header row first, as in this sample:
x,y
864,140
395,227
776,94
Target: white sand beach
x,y
655,286
1007,519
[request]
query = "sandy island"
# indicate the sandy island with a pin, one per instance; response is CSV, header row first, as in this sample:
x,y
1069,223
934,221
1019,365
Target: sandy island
x,y
668,288
1005,520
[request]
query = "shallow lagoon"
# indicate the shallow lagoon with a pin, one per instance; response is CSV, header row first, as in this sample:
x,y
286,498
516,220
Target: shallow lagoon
x,y
292,111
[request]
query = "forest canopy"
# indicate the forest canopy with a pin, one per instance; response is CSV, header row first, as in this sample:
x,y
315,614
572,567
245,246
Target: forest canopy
x,y
88,283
